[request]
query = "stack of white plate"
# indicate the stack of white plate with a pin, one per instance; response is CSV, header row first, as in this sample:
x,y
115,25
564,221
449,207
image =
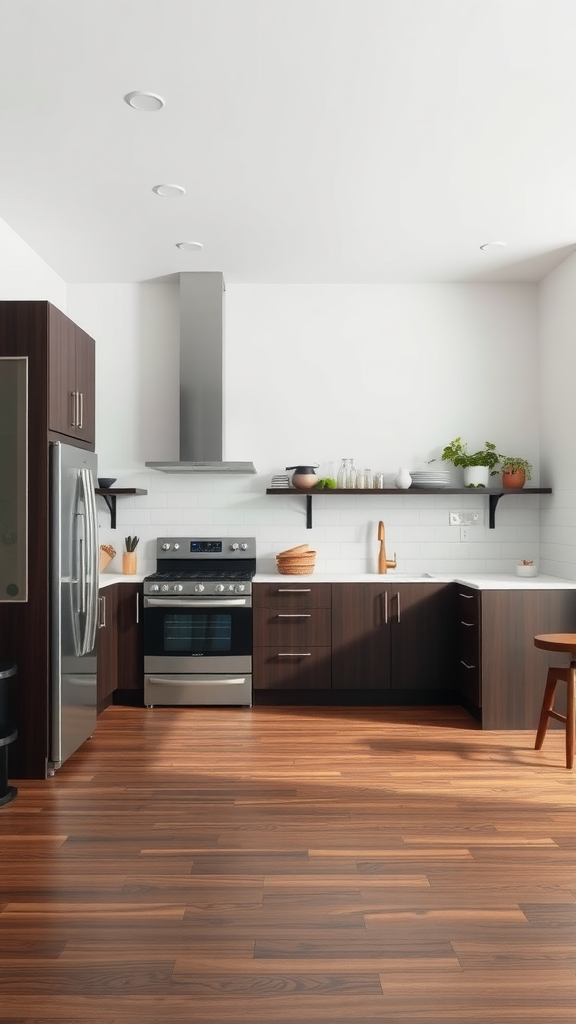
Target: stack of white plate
x,y
430,478
280,481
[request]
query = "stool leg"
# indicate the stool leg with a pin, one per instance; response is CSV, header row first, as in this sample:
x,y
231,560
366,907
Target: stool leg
x,y
547,705
570,722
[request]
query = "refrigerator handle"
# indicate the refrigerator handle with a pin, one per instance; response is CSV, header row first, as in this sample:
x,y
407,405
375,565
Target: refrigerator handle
x,y
90,562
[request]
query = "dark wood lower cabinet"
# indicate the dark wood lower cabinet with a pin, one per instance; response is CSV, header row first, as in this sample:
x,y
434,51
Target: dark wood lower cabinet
x,y
120,657
107,673
353,643
130,645
512,672
392,643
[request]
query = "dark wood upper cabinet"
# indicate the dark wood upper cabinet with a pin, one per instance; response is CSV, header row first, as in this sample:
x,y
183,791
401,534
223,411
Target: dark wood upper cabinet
x,y
71,380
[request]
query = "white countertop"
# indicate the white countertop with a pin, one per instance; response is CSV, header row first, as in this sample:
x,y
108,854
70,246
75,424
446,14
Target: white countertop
x,y
479,581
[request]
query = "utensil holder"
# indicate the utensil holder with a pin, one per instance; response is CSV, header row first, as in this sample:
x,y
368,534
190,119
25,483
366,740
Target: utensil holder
x,y
129,563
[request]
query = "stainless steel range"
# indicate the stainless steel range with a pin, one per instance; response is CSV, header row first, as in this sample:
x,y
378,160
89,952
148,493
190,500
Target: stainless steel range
x,y
198,622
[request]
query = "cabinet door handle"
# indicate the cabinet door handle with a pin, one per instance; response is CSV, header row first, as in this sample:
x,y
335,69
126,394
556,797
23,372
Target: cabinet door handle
x,y
80,409
398,612
294,590
73,398
466,665
137,607
302,654
102,615
385,607
294,615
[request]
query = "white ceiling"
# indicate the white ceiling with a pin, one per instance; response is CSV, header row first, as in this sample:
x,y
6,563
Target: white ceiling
x,y
318,140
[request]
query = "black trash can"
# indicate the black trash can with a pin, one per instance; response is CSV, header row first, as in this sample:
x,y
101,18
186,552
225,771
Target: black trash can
x,y
8,731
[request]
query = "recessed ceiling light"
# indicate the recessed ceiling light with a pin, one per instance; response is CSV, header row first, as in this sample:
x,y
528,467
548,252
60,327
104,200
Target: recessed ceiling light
x,y
189,246
144,101
493,245
169,191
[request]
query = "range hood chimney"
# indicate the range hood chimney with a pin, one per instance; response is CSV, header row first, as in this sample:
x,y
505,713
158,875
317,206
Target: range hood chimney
x,y
201,379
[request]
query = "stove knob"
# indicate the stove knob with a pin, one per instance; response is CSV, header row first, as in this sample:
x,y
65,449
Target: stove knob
x,y
244,547
240,588
232,587
154,588
234,547
165,587
219,588
199,588
176,547
178,587
165,547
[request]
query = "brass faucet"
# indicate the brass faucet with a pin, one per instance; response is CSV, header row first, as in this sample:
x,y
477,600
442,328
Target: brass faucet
x,y
384,563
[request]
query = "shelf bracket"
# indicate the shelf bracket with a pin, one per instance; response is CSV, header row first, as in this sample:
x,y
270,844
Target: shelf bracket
x,y
110,500
308,511
493,500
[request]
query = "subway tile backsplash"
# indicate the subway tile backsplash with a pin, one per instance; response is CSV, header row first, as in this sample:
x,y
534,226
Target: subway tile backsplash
x,y
344,531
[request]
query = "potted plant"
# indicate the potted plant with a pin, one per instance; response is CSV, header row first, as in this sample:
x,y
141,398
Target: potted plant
x,y
478,466
515,471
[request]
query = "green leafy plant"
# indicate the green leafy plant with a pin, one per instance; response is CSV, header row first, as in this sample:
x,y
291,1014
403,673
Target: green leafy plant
x,y
131,543
457,453
514,462
326,483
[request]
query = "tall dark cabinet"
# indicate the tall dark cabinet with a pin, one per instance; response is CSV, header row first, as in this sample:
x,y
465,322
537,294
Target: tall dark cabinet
x,y
61,368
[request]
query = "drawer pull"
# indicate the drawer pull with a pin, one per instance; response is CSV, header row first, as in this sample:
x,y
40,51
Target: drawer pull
x,y
462,623
294,615
308,654
294,590
469,597
466,665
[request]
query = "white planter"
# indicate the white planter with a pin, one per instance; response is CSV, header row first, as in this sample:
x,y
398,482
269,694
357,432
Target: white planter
x,y
476,476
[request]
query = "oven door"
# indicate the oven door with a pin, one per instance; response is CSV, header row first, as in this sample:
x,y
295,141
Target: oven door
x,y
198,634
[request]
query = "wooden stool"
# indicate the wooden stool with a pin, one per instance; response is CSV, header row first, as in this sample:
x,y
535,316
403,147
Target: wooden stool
x,y
565,642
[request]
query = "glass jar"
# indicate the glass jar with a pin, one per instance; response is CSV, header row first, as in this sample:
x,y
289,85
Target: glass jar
x,y
368,482
379,481
352,475
342,478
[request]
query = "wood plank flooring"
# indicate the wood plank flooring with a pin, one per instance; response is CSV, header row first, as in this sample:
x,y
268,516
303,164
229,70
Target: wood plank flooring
x,y
293,866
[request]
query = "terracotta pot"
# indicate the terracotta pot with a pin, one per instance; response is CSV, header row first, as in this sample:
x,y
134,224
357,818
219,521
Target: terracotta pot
x,y
513,478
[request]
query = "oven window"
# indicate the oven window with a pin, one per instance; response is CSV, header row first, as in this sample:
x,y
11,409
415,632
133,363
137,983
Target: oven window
x,y
197,633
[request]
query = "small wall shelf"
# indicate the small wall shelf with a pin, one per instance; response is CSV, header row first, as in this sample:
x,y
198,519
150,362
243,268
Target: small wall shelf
x,y
109,494
494,494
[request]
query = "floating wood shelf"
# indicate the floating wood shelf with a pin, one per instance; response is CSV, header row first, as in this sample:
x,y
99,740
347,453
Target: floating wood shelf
x,y
109,494
494,494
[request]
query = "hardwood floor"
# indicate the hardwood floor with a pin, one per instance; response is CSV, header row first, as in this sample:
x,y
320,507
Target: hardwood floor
x,y
293,866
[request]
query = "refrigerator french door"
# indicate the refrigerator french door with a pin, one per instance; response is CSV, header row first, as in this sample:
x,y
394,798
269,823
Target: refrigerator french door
x,y
73,600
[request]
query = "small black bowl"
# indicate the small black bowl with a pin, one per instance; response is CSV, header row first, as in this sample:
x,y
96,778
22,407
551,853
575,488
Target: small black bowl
x,y
106,481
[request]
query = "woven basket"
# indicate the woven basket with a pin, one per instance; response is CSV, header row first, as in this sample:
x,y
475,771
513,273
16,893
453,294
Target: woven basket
x,y
296,568
299,550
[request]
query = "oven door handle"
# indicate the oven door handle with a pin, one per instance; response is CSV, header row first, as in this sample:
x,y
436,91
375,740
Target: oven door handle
x,y
196,602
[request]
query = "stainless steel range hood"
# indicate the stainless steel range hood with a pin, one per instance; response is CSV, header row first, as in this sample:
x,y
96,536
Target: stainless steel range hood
x,y
201,379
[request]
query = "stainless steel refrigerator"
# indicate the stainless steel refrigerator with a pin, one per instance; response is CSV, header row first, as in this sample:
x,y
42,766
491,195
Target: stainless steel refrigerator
x,y
73,600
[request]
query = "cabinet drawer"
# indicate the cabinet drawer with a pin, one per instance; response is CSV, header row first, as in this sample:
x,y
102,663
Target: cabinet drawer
x,y
292,668
468,605
469,677
272,627
292,596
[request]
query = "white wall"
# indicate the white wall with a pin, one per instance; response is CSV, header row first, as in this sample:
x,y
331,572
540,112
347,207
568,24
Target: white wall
x,y
384,374
557,372
24,275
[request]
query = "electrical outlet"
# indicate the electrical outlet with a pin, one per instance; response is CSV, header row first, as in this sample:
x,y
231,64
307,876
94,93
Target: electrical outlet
x,y
464,533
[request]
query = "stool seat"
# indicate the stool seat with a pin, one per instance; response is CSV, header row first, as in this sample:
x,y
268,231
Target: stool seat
x,y
556,642
564,643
